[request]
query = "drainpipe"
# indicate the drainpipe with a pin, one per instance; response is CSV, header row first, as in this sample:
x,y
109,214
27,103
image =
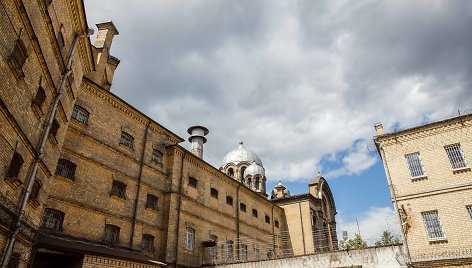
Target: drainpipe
x,y
394,196
40,155
141,164
179,201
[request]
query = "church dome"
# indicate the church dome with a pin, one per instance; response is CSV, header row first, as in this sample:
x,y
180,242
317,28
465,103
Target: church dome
x,y
241,154
254,169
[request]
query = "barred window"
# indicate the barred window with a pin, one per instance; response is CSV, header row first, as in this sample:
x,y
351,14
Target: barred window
x,y
157,156
80,114
229,200
212,250
52,219
192,182
126,139
415,165
118,189
276,222
267,219
456,156
244,252
254,213
152,202
469,209
148,242
189,238
18,55
65,168
54,128
39,98
433,225
112,234
229,249
15,166
214,193
35,190
242,207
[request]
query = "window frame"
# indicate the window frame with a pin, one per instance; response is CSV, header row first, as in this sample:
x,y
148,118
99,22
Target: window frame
x,y
229,200
415,165
267,219
147,242
157,156
80,114
276,223
152,202
214,193
453,152
14,169
242,207
189,238
254,213
212,251
192,182
127,140
39,98
111,234
52,219
34,195
66,168
118,189
434,232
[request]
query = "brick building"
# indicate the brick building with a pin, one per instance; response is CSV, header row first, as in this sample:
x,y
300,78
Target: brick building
x,y
431,186
111,187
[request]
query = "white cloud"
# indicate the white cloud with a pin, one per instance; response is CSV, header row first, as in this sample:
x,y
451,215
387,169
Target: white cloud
x,y
371,223
358,159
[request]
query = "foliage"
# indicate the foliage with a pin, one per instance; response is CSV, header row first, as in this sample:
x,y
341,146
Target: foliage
x,y
355,243
387,239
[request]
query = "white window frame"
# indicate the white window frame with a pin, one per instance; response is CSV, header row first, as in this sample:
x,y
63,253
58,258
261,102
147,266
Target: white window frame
x,y
456,156
433,226
189,238
415,165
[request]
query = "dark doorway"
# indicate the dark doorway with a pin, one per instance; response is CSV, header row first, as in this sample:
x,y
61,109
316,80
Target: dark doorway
x,y
55,259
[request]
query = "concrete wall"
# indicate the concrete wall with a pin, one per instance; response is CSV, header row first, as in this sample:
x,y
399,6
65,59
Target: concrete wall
x,y
375,257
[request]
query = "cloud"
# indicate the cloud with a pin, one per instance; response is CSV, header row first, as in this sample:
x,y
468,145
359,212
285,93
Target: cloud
x,y
371,223
297,81
356,160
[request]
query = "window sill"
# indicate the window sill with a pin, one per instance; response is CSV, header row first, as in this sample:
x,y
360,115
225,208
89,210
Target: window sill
x,y
419,178
126,147
52,140
68,180
33,203
438,240
151,209
37,110
78,123
16,69
461,170
115,197
13,182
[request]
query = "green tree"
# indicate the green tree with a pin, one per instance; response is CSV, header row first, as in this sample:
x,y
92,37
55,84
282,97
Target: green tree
x,y
387,239
355,243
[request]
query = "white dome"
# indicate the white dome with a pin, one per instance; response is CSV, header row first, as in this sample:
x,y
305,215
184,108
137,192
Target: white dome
x,y
241,154
254,169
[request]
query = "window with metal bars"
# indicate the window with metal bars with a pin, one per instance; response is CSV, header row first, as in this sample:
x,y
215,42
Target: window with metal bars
x,y
118,189
15,166
148,242
80,114
456,156
214,193
244,252
229,249
415,165
151,201
469,209
433,225
52,219
112,234
189,238
126,140
157,156
65,168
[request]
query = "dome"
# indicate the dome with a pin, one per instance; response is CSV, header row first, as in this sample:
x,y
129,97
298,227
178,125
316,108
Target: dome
x,y
254,169
241,154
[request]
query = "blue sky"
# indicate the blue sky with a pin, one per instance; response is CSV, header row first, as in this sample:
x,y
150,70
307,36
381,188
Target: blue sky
x,y
301,82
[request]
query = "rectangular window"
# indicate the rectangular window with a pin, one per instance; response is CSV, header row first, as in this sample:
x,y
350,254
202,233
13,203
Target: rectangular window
x,y
148,242
276,222
52,219
126,140
212,250
214,193
152,202
229,250
244,252
65,168
229,200
18,58
54,129
15,166
415,165
189,238
267,219
39,98
254,213
469,209
118,189
192,182
35,190
80,114
157,156
112,234
242,207
456,156
433,225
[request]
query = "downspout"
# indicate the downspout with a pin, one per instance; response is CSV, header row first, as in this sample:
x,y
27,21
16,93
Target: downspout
x,y
394,196
303,229
40,155
176,252
237,219
141,165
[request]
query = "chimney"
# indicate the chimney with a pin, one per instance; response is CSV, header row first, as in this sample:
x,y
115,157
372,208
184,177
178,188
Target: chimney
x,y
106,32
280,190
197,139
379,128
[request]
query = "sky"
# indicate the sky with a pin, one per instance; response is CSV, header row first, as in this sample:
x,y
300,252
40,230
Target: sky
x,y
302,83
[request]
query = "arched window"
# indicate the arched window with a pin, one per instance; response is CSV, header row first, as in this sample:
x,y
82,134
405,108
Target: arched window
x,y
80,114
147,242
189,238
257,182
231,172
52,219
65,168
15,166
241,173
249,182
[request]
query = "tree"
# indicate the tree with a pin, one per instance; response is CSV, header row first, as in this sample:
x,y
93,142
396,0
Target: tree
x,y
387,239
355,243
